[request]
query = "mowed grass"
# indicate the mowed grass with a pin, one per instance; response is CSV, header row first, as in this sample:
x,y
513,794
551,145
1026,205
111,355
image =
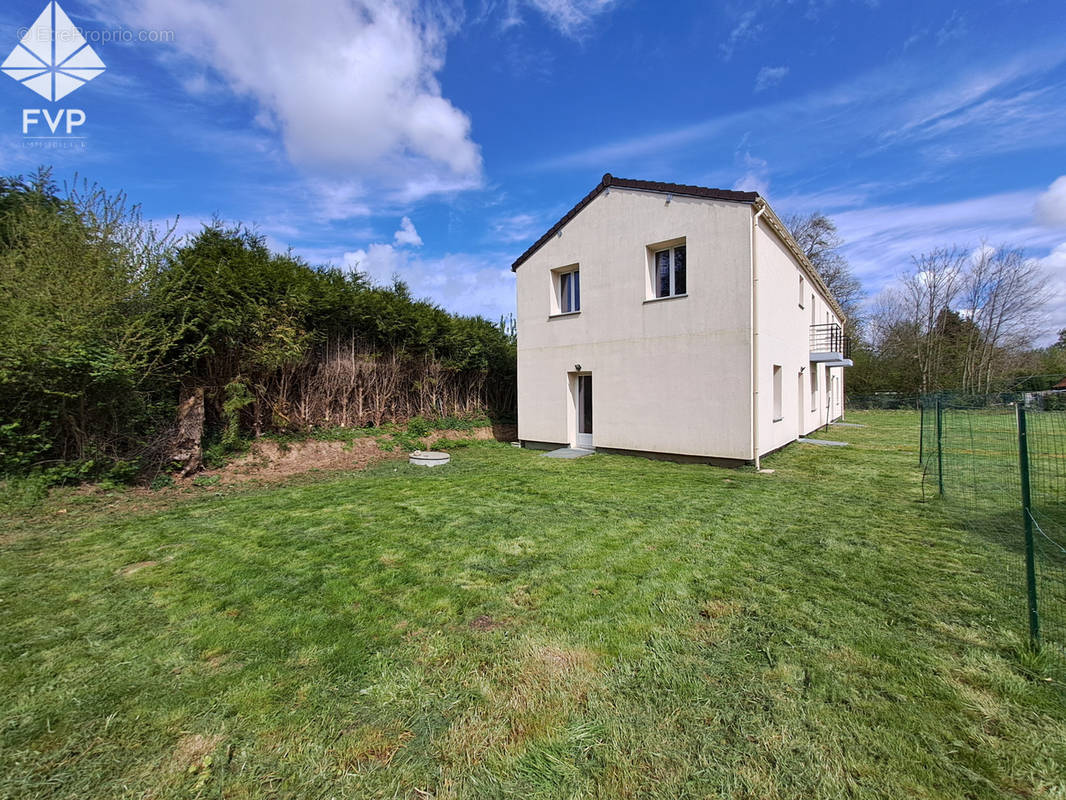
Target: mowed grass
x,y
516,626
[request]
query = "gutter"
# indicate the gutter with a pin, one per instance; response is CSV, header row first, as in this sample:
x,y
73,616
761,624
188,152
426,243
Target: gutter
x,y
760,205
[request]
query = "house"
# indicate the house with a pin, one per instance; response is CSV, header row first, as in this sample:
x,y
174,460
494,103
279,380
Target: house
x,y
674,321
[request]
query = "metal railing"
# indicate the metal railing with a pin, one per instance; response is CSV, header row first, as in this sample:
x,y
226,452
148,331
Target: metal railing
x,y
830,338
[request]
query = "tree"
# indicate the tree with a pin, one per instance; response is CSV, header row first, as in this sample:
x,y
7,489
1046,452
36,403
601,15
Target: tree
x,y
82,345
1003,294
960,320
817,236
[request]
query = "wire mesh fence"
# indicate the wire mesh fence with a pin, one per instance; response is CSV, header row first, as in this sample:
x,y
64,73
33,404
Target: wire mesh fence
x,y
1001,460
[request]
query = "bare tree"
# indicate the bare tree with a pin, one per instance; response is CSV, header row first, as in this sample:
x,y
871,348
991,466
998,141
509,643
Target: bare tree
x,y
929,290
817,236
1004,295
960,318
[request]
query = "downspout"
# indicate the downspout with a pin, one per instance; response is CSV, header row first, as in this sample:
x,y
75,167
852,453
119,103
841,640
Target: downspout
x,y
755,331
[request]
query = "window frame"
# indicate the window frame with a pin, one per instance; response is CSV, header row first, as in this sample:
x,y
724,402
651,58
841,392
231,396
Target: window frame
x,y
652,281
559,279
803,290
778,392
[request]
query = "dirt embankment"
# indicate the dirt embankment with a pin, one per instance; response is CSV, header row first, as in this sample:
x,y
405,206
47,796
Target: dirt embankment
x,y
268,461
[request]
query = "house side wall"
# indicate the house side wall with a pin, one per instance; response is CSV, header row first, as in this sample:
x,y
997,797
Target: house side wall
x,y
669,376
783,326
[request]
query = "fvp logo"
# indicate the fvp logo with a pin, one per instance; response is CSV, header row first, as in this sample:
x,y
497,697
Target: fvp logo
x,y
53,59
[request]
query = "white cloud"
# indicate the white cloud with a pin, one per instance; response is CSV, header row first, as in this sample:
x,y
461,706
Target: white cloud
x,y
769,77
379,262
407,235
518,228
570,17
350,85
954,28
463,283
745,30
976,112
881,240
1054,265
756,175
1050,207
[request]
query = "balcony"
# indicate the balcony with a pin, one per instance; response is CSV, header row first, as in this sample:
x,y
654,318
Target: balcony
x,y
830,346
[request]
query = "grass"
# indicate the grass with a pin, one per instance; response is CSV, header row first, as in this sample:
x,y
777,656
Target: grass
x,y
981,475
515,626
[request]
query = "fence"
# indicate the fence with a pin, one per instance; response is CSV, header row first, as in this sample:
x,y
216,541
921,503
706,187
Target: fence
x,y
1001,460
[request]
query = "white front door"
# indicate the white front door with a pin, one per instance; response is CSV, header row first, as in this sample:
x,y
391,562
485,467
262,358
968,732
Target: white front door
x,y
584,412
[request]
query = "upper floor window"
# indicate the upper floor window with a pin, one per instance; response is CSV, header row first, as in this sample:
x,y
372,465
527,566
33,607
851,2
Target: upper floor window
x,y
669,276
803,290
567,291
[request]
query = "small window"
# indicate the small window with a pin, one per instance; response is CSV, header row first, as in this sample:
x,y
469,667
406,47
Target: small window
x,y
814,387
814,318
670,277
803,290
777,393
567,298
570,291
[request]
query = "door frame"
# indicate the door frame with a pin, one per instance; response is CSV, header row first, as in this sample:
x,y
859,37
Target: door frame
x,y
579,440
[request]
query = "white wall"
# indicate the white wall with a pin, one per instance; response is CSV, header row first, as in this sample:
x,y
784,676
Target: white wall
x,y
783,331
673,375
669,376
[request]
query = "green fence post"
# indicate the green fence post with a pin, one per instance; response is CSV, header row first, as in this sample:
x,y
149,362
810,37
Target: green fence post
x,y
921,431
1027,518
939,447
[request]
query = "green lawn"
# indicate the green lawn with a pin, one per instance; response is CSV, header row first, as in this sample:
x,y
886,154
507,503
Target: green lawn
x,y
516,626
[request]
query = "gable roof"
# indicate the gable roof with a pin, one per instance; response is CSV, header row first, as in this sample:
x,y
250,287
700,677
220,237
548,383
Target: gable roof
x,y
685,190
625,183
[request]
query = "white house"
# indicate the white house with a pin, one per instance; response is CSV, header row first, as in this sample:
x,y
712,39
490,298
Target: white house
x,y
674,321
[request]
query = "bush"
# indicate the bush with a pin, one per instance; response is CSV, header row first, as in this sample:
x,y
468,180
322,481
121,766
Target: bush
x,y
418,427
160,482
104,321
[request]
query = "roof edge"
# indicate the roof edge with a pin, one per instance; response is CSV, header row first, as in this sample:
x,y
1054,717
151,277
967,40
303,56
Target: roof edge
x,y
685,190
609,181
779,228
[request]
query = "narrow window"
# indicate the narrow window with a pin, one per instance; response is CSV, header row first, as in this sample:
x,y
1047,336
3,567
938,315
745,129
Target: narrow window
x,y
679,270
670,276
814,387
777,393
662,272
569,291
803,290
814,318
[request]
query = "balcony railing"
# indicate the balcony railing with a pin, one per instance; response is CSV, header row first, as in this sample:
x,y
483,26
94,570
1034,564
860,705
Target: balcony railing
x,y
828,343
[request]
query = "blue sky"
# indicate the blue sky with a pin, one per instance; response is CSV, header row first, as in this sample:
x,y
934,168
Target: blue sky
x,y
437,140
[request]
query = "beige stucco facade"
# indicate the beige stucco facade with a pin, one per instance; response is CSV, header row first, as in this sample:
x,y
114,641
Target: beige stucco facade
x,y
678,375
